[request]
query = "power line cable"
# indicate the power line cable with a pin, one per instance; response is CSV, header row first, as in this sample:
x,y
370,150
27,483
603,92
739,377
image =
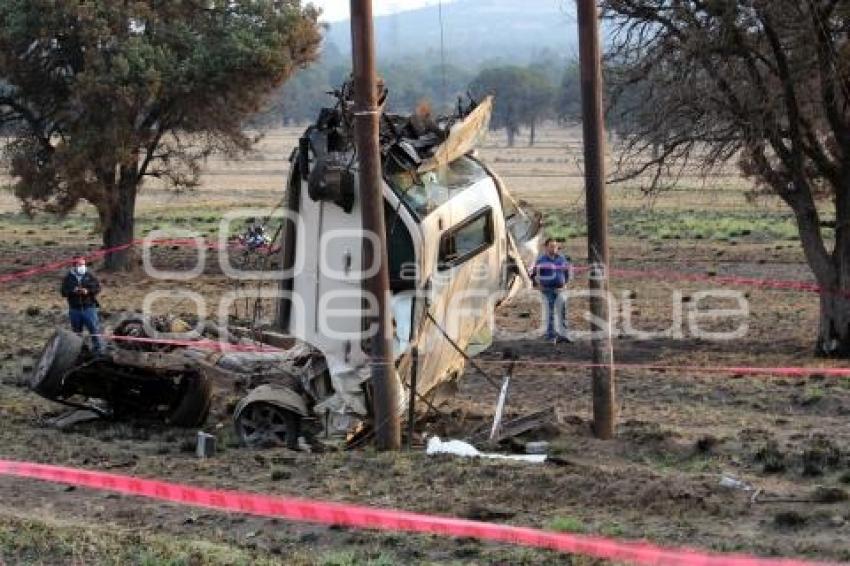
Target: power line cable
x,y
443,93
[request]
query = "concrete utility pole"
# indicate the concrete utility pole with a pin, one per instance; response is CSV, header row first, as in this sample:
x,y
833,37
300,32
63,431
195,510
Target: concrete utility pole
x,y
604,399
366,130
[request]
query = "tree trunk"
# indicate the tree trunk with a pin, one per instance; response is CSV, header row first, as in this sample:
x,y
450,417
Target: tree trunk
x,y
532,133
512,130
834,328
118,222
832,271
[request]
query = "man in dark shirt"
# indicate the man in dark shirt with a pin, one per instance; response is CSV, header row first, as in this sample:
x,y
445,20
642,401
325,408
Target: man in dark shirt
x,y
551,273
81,288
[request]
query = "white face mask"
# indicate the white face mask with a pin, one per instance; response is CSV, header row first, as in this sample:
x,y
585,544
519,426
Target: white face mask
x,y
80,269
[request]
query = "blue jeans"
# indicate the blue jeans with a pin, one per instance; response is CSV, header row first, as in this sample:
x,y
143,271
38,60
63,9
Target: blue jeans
x,y
555,325
87,318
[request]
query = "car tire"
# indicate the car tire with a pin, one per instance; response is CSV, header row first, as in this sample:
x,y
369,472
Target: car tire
x,y
262,436
59,355
193,406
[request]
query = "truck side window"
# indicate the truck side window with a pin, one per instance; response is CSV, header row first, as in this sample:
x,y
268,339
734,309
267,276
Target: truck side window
x,y
467,239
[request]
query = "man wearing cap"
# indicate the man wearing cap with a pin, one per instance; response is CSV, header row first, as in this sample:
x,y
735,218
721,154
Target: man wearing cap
x,y
81,289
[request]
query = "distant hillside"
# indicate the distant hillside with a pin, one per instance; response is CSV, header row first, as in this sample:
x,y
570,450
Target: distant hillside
x,y
476,31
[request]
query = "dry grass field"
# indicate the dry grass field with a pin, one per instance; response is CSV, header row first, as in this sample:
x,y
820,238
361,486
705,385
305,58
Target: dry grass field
x,y
680,431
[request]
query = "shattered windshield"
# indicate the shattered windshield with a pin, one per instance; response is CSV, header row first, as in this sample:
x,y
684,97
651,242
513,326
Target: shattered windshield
x,y
425,192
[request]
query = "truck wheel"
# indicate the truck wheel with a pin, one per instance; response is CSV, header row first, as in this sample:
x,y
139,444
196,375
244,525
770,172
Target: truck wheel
x,y
263,425
193,406
58,356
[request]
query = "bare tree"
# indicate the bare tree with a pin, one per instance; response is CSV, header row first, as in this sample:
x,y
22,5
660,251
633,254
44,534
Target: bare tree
x,y
763,82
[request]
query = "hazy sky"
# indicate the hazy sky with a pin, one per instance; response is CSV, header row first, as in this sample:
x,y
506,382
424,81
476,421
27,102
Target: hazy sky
x,y
333,10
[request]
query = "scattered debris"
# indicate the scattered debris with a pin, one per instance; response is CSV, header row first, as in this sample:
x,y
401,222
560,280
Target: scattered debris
x,y
71,418
527,423
500,407
733,483
540,447
205,447
466,450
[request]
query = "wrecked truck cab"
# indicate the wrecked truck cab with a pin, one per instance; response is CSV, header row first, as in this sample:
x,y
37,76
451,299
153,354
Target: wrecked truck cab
x,y
457,246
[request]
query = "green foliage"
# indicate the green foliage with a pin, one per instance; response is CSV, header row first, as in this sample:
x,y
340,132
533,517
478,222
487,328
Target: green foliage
x,y
523,96
569,97
566,524
102,94
612,529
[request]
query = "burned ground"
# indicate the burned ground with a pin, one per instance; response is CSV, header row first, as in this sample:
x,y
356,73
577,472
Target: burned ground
x,y
680,431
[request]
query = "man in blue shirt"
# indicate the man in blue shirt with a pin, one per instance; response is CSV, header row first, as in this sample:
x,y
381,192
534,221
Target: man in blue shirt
x,y
551,273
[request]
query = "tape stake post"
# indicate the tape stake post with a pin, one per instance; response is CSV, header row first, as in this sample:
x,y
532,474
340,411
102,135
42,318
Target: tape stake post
x,y
381,519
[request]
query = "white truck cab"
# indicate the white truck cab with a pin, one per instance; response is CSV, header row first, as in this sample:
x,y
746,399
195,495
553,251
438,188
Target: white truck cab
x,y
457,244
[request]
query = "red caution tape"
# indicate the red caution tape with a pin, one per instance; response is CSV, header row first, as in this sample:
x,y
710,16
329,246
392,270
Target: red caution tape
x,y
52,266
206,344
62,263
731,370
778,284
382,519
752,282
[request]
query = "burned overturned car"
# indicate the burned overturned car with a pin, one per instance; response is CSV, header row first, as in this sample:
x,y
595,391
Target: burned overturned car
x,y
457,244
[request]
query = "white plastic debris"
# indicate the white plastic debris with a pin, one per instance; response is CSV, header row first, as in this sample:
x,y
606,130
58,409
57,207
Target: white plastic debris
x,y
733,483
500,407
467,450
541,447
